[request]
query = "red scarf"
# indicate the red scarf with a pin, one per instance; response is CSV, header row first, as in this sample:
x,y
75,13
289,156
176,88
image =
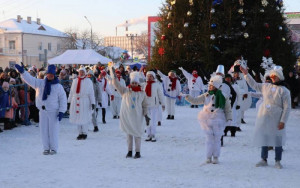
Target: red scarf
x,y
79,84
195,76
148,88
173,80
119,77
105,83
135,89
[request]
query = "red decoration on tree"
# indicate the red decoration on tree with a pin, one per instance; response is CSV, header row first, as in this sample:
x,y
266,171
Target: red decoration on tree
x,y
169,25
268,37
161,51
267,53
163,37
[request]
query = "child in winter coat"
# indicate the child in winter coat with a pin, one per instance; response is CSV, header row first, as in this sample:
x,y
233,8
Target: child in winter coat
x,y
133,109
4,104
213,117
10,114
22,96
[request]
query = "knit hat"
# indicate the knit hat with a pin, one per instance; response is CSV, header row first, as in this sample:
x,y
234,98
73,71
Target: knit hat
x,y
51,69
90,72
135,77
82,69
215,81
152,73
278,73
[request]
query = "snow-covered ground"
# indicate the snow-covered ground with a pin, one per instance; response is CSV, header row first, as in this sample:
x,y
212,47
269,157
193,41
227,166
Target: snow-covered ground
x,y
175,160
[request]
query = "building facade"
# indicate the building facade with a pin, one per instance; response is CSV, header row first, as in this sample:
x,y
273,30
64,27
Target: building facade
x,y
29,42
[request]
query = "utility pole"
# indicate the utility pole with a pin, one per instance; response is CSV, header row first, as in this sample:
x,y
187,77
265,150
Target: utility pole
x,y
91,31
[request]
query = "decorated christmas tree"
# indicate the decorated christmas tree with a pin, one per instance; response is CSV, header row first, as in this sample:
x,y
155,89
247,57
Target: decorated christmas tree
x,y
200,34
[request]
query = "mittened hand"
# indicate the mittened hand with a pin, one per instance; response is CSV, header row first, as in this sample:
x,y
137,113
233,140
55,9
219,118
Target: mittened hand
x,y
20,68
147,120
112,97
245,96
281,126
60,116
180,68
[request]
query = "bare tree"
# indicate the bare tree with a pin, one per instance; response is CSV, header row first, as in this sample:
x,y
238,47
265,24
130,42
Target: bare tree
x,y
142,44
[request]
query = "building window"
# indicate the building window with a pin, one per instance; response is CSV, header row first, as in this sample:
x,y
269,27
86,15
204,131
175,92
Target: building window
x,y
40,46
58,47
49,46
12,45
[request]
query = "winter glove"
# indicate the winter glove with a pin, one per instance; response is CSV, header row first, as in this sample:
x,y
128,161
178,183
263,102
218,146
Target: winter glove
x,y
100,104
245,96
112,97
93,106
60,116
147,120
237,107
163,107
20,68
180,68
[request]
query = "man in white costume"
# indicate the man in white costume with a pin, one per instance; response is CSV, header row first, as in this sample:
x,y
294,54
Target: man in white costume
x,y
82,100
133,110
272,115
51,100
115,97
155,98
171,89
195,83
216,111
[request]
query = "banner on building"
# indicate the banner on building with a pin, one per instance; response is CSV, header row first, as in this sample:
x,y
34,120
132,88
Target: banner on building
x,y
152,27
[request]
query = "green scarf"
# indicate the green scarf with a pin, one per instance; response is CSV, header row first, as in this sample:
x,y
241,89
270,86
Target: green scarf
x,y
220,99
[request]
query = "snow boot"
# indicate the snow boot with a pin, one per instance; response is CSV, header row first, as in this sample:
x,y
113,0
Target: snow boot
x,y
96,129
169,117
263,162
129,154
115,117
159,123
208,160
149,138
52,152
192,106
242,121
278,165
137,155
46,152
84,136
103,115
215,160
172,117
79,137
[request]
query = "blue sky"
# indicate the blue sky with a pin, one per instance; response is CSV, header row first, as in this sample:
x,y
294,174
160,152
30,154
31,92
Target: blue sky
x,y
104,15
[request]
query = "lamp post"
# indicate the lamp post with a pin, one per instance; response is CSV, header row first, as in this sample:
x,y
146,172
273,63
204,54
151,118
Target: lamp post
x,y
91,31
131,37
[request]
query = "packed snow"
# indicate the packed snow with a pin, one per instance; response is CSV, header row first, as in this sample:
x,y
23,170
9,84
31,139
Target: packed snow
x,y
175,160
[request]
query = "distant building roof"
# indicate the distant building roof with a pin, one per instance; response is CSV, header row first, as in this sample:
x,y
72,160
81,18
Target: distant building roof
x,y
13,26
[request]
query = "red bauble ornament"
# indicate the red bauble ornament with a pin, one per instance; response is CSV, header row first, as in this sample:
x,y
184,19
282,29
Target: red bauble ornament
x,y
268,37
163,37
161,51
267,25
267,53
169,25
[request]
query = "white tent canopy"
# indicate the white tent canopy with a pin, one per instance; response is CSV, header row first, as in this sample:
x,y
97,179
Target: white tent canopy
x,y
79,57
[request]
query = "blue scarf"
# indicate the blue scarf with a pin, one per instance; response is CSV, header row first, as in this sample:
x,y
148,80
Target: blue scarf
x,y
47,89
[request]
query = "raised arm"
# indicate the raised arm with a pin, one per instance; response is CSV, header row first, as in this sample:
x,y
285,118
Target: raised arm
x,y
185,73
197,100
115,82
32,81
250,80
161,74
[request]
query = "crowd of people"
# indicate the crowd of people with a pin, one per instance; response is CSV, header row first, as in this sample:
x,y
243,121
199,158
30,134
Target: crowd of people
x,y
30,95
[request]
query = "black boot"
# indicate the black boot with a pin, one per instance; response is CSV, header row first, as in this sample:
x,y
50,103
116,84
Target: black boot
x,y
129,154
6,125
222,141
196,106
115,117
103,115
159,123
192,106
84,136
137,155
96,129
242,121
79,137
169,117
172,117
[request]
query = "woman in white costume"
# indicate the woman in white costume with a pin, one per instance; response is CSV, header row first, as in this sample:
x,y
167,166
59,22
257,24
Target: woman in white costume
x,y
82,100
133,109
213,117
105,90
272,115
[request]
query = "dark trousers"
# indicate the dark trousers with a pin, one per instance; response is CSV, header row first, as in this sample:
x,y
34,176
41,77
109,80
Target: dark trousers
x,y
278,153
